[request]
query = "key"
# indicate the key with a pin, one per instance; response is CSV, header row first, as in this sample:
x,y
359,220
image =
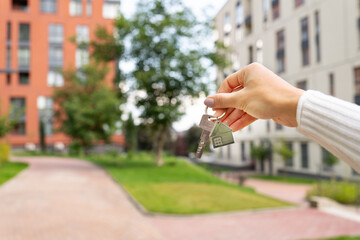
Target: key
x,y
206,126
221,135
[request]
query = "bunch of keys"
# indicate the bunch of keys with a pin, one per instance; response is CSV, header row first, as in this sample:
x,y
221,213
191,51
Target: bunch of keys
x,y
213,129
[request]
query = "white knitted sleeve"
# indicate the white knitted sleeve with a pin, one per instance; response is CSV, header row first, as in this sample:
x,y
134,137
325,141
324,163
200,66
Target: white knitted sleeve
x,y
333,123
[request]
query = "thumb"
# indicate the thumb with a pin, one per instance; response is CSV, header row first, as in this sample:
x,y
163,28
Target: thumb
x,y
224,100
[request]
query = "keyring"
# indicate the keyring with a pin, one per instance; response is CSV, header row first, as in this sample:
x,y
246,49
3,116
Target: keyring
x,y
215,118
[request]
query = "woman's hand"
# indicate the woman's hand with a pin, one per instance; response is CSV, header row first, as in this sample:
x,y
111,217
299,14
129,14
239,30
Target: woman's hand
x,y
254,93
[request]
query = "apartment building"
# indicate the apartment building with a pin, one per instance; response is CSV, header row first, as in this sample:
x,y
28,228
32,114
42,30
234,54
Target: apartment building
x,y
312,44
34,48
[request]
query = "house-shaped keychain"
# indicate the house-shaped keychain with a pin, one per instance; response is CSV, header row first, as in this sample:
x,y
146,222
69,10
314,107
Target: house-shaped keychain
x,y
221,135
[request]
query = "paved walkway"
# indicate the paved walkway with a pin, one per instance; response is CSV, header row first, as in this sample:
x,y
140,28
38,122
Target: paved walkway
x,y
294,193
68,199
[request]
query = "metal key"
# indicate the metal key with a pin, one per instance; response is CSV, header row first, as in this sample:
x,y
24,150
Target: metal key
x,y
206,126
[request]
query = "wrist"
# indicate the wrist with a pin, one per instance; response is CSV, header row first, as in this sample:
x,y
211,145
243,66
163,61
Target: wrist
x,y
289,107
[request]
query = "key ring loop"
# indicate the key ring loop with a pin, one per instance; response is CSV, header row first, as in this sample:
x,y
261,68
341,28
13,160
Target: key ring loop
x,y
215,118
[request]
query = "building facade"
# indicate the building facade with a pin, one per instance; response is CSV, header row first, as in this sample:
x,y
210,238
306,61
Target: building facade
x,y
312,44
35,48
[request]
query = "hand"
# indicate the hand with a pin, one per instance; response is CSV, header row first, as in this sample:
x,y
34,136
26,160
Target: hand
x,y
254,93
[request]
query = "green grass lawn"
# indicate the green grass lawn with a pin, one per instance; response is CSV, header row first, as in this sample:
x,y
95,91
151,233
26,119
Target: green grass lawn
x,y
180,187
10,169
285,179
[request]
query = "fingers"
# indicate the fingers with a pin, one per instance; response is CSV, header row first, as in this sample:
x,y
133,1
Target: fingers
x,y
233,116
233,81
242,122
224,100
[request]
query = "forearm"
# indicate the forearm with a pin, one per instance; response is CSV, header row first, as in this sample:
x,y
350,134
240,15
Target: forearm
x,y
333,123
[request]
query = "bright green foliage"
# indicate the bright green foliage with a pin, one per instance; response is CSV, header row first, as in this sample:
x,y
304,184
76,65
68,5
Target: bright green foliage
x,y
10,169
4,152
284,151
342,192
330,160
259,152
166,47
5,125
294,180
180,187
88,108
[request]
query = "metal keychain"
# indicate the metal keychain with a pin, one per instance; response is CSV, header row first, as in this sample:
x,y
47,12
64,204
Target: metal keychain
x,y
221,135
207,125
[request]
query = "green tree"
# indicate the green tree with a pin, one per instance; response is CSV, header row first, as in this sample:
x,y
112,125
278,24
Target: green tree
x,y
330,161
6,126
130,130
88,109
259,152
285,152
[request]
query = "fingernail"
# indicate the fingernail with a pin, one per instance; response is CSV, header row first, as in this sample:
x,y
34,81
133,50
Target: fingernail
x,y
209,102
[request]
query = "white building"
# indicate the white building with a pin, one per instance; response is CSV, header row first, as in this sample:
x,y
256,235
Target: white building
x,y
313,44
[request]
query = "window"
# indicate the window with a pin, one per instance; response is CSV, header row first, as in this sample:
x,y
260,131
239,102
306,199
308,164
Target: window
x,y
89,8
111,8
46,113
239,14
24,57
268,126
82,34
243,153
55,79
275,9
56,33
82,57
302,85
227,24
8,32
266,7
18,113
357,85
20,5
48,6
259,51
229,152
8,57
251,54
317,36
24,32
24,78
289,162
280,55
8,79
56,56
331,84
8,45
327,157
299,3
305,42
304,155
75,8
278,126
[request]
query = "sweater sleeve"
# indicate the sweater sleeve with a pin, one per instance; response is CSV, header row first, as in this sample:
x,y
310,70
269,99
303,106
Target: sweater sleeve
x,y
333,123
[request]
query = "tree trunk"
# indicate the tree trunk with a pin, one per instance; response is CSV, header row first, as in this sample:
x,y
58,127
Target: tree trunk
x,y
160,146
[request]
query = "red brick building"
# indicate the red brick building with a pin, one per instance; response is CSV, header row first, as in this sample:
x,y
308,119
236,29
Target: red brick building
x,y
35,47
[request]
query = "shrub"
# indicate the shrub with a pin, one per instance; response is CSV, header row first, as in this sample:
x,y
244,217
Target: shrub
x,y
342,192
4,152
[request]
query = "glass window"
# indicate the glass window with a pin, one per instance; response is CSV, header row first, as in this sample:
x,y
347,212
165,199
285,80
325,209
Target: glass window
x,y
227,24
20,5
250,50
299,3
289,162
317,36
8,32
89,7
325,156
331,84
24,57
18,108
280,55
239,14
243,153
24,78
304,155
8,57
55,79
302,85
111,8
266,8
75,8
259,51
276,9
55,56
46,113
305,49
24,32
48,6
82,33
56,33
82,57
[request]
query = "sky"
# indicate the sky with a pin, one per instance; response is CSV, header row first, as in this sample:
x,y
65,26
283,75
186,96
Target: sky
x,y
194,109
